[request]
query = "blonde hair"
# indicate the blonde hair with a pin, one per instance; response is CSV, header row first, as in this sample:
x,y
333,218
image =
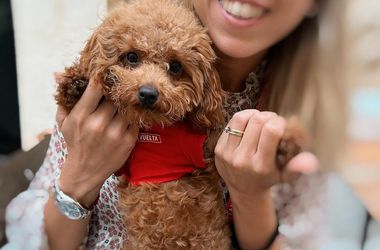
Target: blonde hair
x,y
306,79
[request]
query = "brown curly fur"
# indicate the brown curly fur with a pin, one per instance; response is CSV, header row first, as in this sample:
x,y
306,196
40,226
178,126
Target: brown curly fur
x,y
160,32
183,214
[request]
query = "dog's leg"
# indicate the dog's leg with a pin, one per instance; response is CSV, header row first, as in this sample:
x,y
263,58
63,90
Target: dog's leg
x,y
71,85
184,214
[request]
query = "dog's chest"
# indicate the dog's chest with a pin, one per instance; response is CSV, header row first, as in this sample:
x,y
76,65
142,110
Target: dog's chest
x,y
165,154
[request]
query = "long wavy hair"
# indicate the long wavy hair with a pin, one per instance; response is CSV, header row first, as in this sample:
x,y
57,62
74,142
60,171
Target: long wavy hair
x,y
306,78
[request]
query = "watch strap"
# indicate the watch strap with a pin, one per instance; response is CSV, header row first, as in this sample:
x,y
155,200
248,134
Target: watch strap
x,y
68,206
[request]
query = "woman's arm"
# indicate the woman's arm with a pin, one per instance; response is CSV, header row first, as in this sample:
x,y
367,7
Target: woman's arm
x,y
247,165
251,219
63,233
99,141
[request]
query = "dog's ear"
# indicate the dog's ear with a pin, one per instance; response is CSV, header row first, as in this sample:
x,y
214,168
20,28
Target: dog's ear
x,y
93,62
208,113
100,52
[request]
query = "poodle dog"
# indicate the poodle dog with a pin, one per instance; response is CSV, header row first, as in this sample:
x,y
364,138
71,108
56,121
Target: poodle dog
x,y
156,64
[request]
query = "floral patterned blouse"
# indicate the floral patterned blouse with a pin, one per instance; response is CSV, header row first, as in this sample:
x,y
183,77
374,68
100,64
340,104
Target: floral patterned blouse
x,y
300,206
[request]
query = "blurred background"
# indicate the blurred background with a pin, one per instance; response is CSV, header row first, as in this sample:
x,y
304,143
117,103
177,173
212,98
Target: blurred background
x,y
9,107
40,37
362,170
37,38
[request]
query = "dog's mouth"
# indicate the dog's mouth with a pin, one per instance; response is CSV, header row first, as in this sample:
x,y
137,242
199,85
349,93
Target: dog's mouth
x,y
146,117
145,109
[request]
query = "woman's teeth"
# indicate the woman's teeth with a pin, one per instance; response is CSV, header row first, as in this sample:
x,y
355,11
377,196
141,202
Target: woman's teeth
x,y
242,10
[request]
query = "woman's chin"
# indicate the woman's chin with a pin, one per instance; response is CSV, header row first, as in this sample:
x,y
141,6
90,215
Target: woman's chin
x,y
236,48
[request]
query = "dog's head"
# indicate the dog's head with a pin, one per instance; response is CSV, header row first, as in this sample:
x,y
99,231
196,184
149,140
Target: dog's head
x,y
155,61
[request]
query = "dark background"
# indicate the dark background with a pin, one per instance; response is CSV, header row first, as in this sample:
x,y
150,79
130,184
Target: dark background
x,y
9,109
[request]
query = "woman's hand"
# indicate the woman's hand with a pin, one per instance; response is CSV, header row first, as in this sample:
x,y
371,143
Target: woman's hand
x,y
247,163
99,140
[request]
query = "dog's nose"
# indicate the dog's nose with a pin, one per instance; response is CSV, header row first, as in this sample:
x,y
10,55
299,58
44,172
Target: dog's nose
x,y
148,96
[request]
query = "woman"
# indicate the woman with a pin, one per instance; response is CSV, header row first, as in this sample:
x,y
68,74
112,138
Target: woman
x,y
265,50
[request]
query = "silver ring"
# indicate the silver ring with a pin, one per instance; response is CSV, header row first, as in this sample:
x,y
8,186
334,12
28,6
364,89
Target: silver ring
x,y
232,131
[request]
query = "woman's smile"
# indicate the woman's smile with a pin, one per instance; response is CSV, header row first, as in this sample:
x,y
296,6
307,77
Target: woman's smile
x,y
247,28
241,13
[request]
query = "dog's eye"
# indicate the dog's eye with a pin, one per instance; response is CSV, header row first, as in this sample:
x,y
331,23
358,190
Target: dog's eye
x,y
175,68
131,58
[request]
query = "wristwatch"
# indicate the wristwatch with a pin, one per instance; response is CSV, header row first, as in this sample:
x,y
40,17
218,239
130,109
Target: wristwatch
x,y
69,207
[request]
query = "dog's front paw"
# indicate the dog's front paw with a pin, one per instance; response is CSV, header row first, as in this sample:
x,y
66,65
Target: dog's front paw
x,y
71,85
294,141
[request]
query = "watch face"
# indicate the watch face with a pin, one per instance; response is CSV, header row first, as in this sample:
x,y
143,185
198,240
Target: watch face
x,y
69,209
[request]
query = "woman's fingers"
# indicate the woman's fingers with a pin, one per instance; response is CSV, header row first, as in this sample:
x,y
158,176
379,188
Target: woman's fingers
x,y
252,133
132,131
90,99
248,163
105,112
130,136
271,134
238,122
119,125
303,163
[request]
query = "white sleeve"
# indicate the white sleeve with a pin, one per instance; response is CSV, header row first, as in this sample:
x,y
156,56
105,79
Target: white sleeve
x,y
25,214
302,212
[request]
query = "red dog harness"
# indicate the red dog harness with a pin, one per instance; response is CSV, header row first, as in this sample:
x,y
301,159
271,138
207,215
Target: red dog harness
x,y
165,154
